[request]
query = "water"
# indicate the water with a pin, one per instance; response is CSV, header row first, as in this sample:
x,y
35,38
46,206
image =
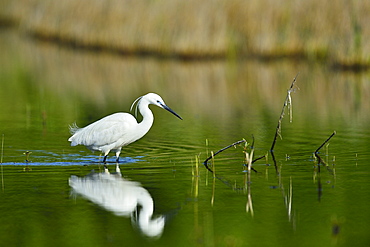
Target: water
x,y
44,88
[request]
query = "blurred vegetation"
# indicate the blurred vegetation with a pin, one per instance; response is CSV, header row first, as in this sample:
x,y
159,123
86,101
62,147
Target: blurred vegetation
x,y
333,32
44,88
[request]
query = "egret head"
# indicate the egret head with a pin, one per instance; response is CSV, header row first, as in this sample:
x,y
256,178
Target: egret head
x,y
154,99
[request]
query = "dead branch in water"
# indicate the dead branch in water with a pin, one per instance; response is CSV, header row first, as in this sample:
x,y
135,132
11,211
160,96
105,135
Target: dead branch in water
x,y
205,163
326,141
287,103
319,162
319,159
219,151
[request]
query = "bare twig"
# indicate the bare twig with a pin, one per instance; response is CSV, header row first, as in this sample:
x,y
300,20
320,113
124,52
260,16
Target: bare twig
x,y
219,151
287,103
326,141
319,159
320,162
205,163
258,159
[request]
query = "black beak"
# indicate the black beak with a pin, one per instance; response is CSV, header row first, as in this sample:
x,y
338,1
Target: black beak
x,y
170,110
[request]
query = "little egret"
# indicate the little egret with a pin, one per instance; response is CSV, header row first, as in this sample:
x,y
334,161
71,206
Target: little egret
x,y
113,132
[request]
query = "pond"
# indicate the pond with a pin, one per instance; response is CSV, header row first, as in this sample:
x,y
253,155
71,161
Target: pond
x,y
161,194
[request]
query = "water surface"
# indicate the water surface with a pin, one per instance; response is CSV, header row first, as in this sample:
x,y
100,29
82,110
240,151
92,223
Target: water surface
x,y
44,88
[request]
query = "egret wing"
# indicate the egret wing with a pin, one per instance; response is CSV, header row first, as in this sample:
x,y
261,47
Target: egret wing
x,y
106,131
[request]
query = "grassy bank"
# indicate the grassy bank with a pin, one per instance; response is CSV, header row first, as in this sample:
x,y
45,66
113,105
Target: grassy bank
x,y
334,32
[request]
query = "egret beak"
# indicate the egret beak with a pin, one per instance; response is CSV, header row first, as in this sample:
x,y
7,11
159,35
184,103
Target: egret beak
x,y
170,110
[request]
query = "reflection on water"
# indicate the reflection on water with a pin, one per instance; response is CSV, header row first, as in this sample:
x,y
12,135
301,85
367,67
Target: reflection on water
x,y
120,196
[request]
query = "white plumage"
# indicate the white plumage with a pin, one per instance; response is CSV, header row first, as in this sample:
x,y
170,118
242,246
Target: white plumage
x,y
113,132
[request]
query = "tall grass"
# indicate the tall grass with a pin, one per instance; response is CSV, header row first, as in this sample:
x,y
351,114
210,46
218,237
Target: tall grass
x,y
334,31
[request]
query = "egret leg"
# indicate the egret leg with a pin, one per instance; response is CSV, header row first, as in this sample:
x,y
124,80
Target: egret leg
x,y
118,151
105,156
105,159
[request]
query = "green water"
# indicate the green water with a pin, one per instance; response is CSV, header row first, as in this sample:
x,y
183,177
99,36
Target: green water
x,y
44,88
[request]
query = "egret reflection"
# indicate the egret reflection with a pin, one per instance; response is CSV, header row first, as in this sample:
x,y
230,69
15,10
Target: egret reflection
x,y
120,196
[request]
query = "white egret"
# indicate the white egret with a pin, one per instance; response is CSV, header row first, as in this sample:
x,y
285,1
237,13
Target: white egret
x,y
113,132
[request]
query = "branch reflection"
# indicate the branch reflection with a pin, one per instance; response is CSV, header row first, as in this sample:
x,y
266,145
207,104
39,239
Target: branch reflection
x,y
120,196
